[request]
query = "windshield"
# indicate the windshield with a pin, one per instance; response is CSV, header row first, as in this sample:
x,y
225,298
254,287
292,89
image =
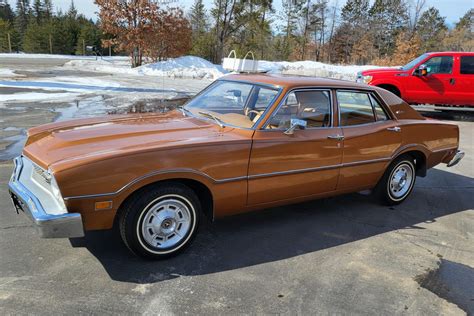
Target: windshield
x,y
232,103
414,62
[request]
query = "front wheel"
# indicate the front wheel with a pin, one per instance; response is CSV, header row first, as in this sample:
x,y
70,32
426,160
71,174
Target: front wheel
x,y
160,221
397,182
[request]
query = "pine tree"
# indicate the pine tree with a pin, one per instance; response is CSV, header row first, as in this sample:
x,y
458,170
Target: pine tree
x,y
201,38
6,13
354,27
89,35
388,18
462,37
5,29
431,30
47,9
21,19
38,11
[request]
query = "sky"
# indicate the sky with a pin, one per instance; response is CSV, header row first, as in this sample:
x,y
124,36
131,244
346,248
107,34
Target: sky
x,y
451,9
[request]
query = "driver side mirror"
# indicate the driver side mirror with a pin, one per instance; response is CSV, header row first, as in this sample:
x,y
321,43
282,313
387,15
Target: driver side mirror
x,y
294,123
236,93
421,71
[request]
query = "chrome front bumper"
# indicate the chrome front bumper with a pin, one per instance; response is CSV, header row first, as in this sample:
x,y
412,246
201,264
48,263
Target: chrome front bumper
x,y
61,224
457,158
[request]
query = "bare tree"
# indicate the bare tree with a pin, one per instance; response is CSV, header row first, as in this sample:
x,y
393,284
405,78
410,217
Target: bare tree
x,y
415,13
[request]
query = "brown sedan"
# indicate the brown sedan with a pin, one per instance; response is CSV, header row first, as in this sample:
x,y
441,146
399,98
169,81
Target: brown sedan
x,y
246,142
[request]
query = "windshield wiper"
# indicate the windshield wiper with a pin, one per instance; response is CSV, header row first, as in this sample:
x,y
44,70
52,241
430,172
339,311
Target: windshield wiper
x,y
185,111
212,116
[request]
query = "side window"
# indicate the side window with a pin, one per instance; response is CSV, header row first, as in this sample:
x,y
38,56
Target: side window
x,y
379,112
312,106
467,65
355,108
440,65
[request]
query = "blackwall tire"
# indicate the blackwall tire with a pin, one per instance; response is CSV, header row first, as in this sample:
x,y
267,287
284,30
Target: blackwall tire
x,y
160,221
398,181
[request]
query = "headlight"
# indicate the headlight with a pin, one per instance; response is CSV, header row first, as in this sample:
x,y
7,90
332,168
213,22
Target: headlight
x,y
364,79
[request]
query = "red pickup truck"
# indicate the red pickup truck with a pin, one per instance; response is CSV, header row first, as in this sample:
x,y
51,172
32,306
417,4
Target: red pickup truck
x,y
445,78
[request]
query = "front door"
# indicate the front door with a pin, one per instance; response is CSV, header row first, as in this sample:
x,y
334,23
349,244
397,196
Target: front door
x,y
300,164
438,87
371,138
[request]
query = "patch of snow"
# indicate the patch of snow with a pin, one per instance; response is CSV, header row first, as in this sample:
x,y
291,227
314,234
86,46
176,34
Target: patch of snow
x,y
52,56
11,129
36,97
7,73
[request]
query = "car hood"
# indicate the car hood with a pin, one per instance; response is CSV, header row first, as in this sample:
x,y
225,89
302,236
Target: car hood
x,y
384,71
58,144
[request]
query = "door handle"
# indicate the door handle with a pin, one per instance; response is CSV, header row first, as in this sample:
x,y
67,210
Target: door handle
x,y
336,137
452,81
394,129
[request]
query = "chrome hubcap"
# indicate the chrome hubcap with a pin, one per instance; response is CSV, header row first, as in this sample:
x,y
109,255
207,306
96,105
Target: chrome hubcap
x,y
166,223
401,180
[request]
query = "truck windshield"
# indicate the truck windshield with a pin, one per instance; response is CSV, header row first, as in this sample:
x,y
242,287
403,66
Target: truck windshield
x,y
414,62
232,103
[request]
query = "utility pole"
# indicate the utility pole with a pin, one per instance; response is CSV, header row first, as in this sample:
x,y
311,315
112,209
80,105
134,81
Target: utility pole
x,y
83,47
50,45
9,43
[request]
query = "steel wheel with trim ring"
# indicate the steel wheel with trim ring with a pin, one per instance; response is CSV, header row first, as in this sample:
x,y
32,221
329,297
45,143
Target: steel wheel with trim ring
x,y
397,182
160,221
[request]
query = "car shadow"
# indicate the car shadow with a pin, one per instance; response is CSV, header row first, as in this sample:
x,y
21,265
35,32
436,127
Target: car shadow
x,y
285,232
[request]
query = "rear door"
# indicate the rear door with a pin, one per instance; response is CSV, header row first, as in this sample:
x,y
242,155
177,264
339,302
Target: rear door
x,y
371,137
465,80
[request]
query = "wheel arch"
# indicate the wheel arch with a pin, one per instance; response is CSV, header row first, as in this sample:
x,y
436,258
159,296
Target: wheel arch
x,y
391,87
202,190
420,160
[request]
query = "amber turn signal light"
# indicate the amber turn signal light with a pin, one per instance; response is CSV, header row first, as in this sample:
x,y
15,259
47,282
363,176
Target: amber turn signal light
x,y
104,205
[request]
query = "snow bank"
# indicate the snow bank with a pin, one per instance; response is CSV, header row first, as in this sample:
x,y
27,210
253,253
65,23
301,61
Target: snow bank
x,y
182,67
199,68
314,68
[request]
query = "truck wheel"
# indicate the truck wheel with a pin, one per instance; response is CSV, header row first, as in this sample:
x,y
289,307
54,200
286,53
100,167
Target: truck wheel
x,y
397,182
160,221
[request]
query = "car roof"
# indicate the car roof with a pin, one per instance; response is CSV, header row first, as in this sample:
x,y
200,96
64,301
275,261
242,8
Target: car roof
x,y
293,81
451,53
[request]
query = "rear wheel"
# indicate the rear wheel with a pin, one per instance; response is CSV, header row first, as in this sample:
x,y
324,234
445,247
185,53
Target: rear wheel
x,y
160,221
397,182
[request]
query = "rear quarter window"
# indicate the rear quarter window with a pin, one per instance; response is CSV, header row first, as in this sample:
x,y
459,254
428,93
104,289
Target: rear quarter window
x,y
467,65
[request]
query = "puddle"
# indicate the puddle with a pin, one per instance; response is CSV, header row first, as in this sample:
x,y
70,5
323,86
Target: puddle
x,y
451,281
14,149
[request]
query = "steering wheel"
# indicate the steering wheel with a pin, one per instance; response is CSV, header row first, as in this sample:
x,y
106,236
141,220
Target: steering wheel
x,y
249,112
